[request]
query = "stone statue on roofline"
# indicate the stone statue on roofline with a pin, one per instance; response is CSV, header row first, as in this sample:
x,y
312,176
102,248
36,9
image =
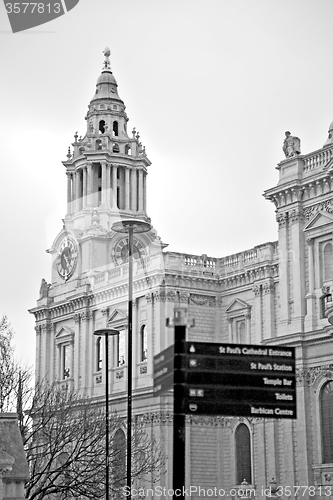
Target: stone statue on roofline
x,y
291,145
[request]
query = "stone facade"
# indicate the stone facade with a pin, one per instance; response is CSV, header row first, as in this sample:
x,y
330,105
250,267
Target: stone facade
x,y
14,471
275,293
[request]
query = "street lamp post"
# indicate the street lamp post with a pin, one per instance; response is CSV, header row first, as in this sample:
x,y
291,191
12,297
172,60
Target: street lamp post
x,y
130,226
106,332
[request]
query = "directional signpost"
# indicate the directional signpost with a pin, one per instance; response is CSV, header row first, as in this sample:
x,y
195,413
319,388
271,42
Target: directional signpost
x,y
223,379
228,379
240,380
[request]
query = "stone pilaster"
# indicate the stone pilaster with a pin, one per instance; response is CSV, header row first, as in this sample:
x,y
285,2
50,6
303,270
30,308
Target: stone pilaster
x,y
114,186
104,182
150,333
298,268
84,181
282,219
140,201
310,318
77,191
78,347
268,306
258,313
127,188
89,184
86,349
134,190
69,193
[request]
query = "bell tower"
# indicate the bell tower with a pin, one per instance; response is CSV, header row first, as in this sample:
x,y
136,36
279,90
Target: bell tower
x,y
107,169
106,181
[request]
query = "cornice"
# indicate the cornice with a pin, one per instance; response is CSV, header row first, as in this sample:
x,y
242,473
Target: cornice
x,y
249,277
300,190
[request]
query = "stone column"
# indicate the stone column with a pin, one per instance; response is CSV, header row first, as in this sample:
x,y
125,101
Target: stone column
x,y
103,200
140,201
108,184
268,306
89,184
114,186
298,274
84,194
135,342
150,334
310,318
45,330
127,188
86,358
69,193
145,191
134,190
77,191
282,219
248,327
230,329
77,350
258,313
38,330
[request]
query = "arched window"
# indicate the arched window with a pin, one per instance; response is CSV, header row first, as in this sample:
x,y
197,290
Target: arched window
x,y
99,354
115,148
127,149
115,129
243,454
143,343
101,126
326,410
119,459
328,262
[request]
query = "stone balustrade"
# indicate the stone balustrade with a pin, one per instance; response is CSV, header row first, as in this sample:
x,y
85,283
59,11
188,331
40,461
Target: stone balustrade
x,y
317,159
193,265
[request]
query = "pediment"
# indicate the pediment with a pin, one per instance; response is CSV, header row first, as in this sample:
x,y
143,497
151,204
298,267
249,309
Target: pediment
x,y
320,219
64,332
237,305
117,316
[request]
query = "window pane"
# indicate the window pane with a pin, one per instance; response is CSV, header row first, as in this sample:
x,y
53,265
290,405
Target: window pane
x,y
328,262
121,348
241,336
143,354
65,362
99,354
326,403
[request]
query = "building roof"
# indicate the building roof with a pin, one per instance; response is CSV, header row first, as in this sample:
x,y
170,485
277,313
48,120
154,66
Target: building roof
x,y
11,444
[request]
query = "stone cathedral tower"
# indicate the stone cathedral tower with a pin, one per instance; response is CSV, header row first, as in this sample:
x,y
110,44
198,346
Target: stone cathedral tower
x,y
275,293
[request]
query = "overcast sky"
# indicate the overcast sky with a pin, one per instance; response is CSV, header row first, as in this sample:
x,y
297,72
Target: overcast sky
x,y
210,85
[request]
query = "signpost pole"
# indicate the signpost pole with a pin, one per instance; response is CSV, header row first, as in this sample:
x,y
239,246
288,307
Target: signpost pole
x,y
178,474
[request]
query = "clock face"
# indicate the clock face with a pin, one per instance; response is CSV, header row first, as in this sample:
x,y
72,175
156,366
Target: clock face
x,y
121,250
66,258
